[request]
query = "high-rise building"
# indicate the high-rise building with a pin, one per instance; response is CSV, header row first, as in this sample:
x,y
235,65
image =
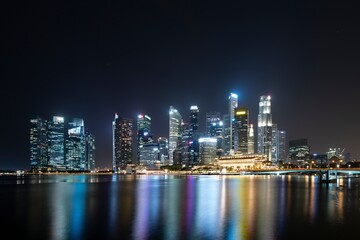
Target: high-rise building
x,y
299,151
211,118
122,143
264,139
90,151
163,150
38,143
56,143
233,103
207,151
226,133
274,143
144,135
60,145
278,144
241,125
186,140
216,130
194,136
251,148
175,121
282,146
75,158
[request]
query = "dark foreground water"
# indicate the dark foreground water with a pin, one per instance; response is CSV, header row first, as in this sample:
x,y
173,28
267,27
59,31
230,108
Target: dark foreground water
x,y
178,207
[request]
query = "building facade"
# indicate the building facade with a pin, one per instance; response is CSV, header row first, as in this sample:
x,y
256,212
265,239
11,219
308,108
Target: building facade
x,y
122,143
264,137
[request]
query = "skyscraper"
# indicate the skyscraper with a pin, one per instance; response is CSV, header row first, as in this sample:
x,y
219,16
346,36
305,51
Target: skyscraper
x,y
241,130
264,139
211,117
90,151
56,142
251,142
194,135
122,143
278,144
60,145
75,145
175,121
229,123
38,143
233,103
144,135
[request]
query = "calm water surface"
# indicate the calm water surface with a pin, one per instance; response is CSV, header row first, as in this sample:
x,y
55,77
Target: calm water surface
x,y
178,207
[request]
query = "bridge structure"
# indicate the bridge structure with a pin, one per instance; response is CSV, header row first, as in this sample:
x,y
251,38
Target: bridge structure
x,y
325,175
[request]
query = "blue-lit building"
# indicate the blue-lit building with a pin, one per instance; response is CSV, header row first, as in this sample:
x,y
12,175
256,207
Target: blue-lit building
x,y
75,158
56,143
144,136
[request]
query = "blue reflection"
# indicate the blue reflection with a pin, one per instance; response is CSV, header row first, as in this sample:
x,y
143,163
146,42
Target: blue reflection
x,y
78,210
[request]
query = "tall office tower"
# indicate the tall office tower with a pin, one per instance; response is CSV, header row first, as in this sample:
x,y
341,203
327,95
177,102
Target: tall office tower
x,y
89,151
264,139
251,149
163,150
56,142
241,124
233,103
226,133
149,154
207,150
38,144
211,117
175,121
216,130
75,145
194,135
186,140
278,144
274,143
299,151
194,120
282,146
144,135
122,143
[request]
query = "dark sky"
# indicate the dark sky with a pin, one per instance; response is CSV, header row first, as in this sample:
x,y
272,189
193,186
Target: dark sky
x,y
94,58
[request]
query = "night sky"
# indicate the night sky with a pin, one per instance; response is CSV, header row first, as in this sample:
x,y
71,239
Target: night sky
x,y
93,59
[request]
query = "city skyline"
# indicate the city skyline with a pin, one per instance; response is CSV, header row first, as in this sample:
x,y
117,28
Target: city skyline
x,y
92,60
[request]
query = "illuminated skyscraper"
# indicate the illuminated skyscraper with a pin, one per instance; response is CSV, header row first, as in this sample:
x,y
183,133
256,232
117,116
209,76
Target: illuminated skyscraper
x,y
211,117
241,130
207,150
56,143
122,143
251,142
144,135
264,139
194,136
229,123
75,145
38,144
163,150
90,151
175,121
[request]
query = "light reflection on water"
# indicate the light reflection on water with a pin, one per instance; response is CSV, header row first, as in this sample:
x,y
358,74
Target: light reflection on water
x,y
179,207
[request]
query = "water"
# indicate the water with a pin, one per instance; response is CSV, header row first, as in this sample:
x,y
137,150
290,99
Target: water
x,y
178,207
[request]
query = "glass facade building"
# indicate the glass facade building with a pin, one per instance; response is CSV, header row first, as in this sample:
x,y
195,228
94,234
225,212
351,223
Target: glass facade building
x,y
264,139
122,143
175,121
